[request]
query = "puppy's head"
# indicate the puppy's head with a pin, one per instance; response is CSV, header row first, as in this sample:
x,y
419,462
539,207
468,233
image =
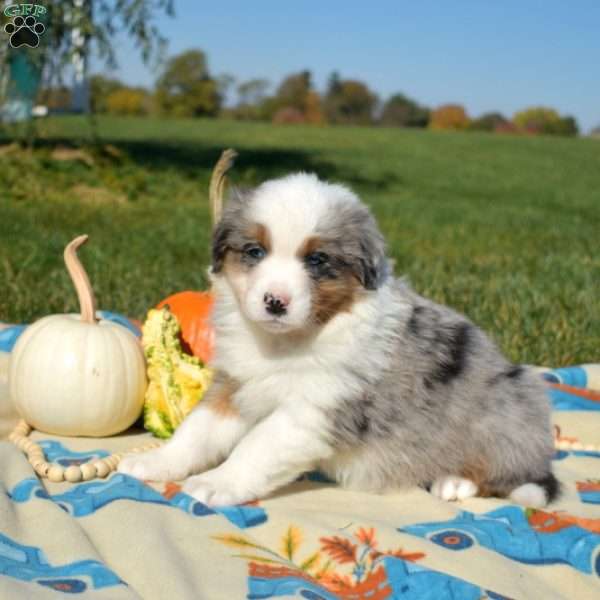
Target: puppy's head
x,y
297,251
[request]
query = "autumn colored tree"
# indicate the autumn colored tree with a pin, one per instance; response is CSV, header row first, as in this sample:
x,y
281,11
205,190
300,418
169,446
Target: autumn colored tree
x,y
349,102
293,90
449,116
313,112
100,88
547,121
186,89
537,119
295,101
288,115
128,101
402,111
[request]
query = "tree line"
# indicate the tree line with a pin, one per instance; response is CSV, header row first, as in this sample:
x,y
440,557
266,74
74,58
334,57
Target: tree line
x,y
186,88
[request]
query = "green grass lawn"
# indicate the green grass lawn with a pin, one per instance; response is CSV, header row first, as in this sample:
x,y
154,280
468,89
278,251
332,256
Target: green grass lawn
x,y
505,229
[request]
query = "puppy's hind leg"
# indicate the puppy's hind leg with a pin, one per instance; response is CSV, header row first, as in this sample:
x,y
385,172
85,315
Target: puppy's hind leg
x,y
454,488
206,437
538,493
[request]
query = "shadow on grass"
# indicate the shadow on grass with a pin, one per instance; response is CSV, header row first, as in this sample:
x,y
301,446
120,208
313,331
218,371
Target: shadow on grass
x,y
252,166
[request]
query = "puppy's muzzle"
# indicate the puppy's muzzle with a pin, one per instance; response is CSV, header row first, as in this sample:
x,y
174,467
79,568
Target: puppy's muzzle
x,y
276,304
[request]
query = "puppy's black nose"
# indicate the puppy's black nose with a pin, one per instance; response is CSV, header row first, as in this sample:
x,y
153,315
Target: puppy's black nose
x,y
275,305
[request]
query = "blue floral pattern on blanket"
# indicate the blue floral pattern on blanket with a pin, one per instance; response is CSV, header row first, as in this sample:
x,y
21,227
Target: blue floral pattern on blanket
x,y
87,498
562,454
56,452
29,563
509,531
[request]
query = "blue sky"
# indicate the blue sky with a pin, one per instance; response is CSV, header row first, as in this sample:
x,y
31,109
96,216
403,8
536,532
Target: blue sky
x,y
485,54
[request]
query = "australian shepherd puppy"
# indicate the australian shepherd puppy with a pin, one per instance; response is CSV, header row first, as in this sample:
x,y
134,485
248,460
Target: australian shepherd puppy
x,y
325,361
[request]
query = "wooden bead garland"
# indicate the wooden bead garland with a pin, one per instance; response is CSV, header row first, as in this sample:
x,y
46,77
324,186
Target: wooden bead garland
x,y
102,467
99,468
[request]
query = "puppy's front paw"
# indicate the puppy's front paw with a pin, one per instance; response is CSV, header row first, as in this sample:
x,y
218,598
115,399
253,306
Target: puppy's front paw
x,y
154,465
453,488
212,489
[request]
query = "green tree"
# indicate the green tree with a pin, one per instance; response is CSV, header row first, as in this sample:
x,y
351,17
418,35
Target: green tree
x,y
567,126
349,102
491,121
293,90
251,96
402,111
186,89
252,92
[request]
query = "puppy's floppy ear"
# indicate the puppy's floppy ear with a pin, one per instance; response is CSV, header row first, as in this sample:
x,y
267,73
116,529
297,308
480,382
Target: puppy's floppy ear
x,y
370,266
220,244
361,244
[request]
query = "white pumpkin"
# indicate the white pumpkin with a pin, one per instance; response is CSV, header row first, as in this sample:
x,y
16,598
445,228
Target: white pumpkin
x,y
77,375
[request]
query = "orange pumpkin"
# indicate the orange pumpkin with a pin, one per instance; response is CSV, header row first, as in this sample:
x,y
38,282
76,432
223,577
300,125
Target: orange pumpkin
x,y
193,310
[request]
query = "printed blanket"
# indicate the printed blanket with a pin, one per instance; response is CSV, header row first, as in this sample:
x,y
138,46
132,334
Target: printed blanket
x,y
121,538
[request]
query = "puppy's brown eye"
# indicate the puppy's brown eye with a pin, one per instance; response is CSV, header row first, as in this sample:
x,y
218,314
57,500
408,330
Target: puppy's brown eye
x,y
254,251
314,259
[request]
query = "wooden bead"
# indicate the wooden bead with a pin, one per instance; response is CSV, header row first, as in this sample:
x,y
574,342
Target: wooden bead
x,y
563,445
28,445
35,453
73,474
42,468
22,428
56,473
22,442
102,469
88,471
113,460
13,437
576,446
590,448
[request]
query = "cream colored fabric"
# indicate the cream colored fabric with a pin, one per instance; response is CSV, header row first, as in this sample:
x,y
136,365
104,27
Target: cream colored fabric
x,y
311,540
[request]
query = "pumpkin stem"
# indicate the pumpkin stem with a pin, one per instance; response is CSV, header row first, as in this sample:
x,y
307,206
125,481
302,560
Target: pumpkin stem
x,y
217,184
85,293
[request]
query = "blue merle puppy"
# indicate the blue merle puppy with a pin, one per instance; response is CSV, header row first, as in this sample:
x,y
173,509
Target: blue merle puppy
x,y
324,360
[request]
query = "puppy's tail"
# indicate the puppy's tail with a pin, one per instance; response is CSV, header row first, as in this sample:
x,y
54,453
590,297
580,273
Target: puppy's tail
x,y
537,494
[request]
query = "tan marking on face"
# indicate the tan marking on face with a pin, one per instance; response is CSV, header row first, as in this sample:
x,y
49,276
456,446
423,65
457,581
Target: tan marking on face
x,y
308,245
333,296
220,396
262,235
232,264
